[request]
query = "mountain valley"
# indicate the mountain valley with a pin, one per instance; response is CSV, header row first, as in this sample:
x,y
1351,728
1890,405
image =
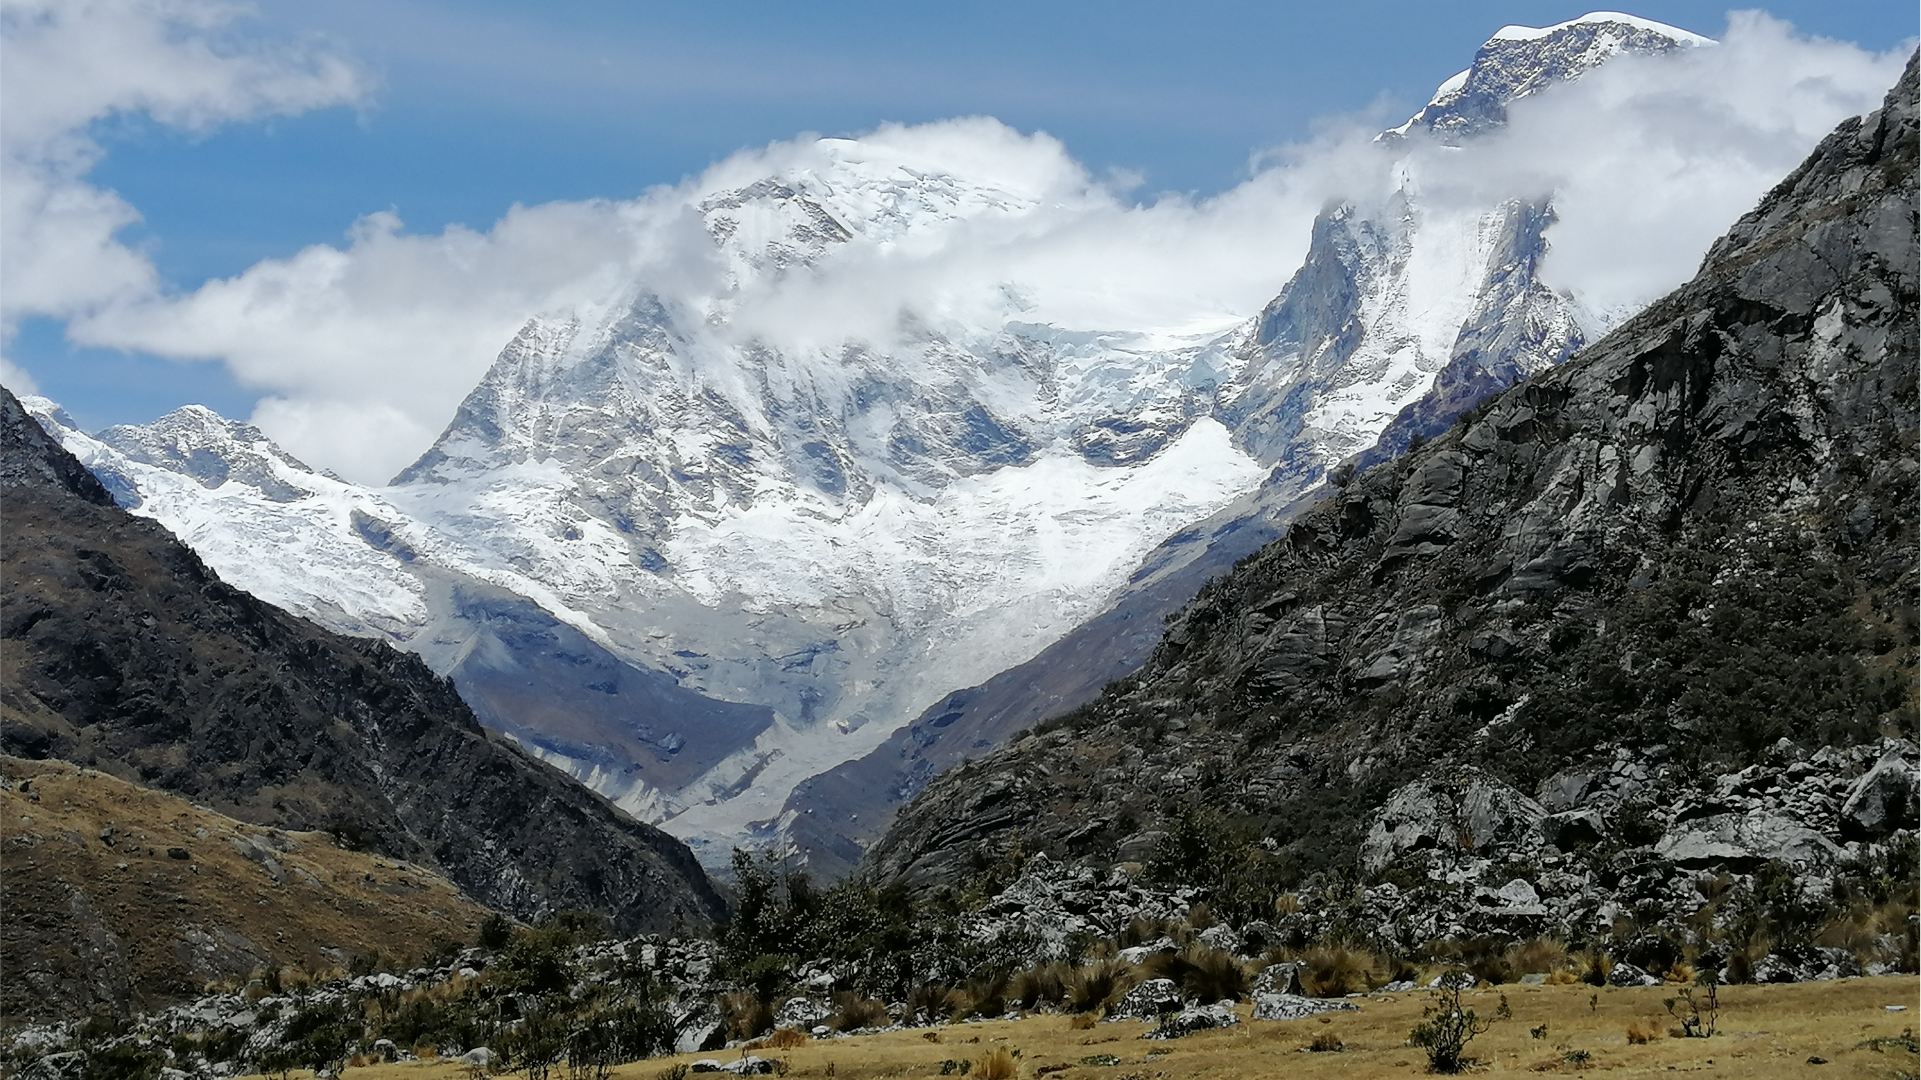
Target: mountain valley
x,y
708,573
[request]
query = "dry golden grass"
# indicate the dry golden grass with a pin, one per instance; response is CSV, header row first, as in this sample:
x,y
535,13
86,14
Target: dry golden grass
x,y
1767,1033
997,1064
210,917
787,1038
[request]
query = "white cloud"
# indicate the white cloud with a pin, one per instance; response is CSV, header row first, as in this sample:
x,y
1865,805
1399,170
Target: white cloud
x,y
16,378
366,348
67,63
1649,159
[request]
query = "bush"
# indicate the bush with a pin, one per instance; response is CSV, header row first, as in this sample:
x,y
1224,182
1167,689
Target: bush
x,y
495,932
537,962
125,1060
1447,1028
534,1047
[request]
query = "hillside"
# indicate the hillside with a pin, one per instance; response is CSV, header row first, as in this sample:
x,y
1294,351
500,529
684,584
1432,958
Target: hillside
x,y
1692,541
125,898
123,652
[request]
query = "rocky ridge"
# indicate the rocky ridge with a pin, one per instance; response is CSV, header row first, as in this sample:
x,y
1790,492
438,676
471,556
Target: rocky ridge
x,y
1692,541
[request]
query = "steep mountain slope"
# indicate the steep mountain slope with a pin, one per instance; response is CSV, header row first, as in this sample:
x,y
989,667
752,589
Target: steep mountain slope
x,y
1692,541
124,898
122,651
817,534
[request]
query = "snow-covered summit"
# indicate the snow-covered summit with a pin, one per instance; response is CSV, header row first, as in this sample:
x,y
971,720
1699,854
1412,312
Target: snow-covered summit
x,y
1518,61
1601,18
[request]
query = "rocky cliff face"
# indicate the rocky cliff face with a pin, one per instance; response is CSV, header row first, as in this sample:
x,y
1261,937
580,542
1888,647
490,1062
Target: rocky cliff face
x,y
124,652
1694,541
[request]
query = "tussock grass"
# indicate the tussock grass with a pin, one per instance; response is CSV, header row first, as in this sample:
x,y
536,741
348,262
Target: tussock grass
x,y
997,1064
851,1011
1096,987
1201,972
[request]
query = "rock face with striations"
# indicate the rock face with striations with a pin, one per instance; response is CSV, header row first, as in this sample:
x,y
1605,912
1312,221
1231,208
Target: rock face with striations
x,y
1693,540
124,652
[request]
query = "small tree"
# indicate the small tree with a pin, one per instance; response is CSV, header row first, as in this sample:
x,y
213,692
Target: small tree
x,y
1447,1028
1697,1014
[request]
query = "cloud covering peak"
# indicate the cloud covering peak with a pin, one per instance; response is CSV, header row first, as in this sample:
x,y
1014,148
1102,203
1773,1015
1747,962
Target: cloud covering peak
x,y
958,227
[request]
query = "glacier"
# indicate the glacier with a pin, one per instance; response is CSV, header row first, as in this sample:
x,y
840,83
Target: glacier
x,y
714,531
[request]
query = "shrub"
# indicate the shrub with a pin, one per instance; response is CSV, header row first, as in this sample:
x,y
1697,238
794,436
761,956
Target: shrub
x,y
537,962
930,1003
1446,1028
533,1048
1697,1014
495,931
124,1061
1326,1042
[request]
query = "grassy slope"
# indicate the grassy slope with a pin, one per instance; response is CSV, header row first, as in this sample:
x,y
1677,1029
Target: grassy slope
x,y
81,930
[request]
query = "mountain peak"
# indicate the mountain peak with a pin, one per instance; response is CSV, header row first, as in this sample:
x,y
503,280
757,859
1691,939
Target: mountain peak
x,y
1602,19
1518,61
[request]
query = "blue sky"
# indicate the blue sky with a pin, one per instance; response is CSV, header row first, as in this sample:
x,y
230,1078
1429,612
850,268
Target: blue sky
x,y
473,107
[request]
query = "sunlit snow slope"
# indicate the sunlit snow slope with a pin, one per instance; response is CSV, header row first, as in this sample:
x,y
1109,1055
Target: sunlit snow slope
x,y
709,535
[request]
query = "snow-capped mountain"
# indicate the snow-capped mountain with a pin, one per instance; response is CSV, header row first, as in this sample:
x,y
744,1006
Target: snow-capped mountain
x,y
695,556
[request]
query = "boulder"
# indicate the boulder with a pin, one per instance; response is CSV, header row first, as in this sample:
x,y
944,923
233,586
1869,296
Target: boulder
x,y
1296,1007
1626,974
64,1065
803,1014
1223,938
1743,841
1149,1001
480,1057
700,1028
1195,1018
1881,801
1517,897
1281,978
1469,811
1570,829
1777,969
749,1066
